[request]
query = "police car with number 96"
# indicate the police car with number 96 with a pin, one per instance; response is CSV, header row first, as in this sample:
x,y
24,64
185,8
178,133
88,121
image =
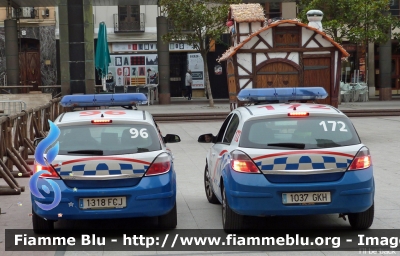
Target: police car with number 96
x,y
279,157
111,163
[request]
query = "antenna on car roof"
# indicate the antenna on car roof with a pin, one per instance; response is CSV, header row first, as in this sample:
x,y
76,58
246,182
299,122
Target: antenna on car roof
x,y
130,107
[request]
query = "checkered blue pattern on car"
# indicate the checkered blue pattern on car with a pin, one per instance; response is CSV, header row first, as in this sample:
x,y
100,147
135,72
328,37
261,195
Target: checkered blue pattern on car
x,y
90,168
302,162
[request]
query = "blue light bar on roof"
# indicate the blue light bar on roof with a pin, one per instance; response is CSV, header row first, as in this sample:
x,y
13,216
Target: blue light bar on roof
x,y
98,100
282,94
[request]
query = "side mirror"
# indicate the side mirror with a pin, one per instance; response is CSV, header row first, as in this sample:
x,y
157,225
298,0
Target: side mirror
x,y
206,138
171,138
37,140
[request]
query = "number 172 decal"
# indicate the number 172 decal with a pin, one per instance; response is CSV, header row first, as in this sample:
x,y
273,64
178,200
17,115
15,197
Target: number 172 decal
x,y
332,125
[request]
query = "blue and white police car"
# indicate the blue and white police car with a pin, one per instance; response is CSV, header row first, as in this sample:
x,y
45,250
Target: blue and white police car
x,y
111,163
288,158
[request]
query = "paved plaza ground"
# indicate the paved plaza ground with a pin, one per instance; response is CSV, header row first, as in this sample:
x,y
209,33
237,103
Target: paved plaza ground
x,y
380,134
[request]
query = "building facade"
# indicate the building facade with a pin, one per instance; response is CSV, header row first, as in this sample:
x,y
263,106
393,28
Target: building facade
x,y
36,46
132,37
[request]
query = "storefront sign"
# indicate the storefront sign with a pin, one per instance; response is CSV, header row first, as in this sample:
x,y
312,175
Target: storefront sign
x,y
133,47
180,46
148,47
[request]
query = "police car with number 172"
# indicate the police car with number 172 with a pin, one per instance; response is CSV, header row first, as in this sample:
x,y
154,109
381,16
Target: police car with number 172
x,y
112,163
279,157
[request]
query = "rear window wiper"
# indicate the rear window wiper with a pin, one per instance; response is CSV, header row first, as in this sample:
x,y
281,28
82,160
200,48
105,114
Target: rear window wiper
x,y
326,143
289,145
87,152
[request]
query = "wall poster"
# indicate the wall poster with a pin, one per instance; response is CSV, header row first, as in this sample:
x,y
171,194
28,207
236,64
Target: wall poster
x,y
196,65
135,69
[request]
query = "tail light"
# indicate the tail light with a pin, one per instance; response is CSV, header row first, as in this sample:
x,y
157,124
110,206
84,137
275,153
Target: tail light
x,y
241,162
361,161
161,165
102,121
52,173
298,114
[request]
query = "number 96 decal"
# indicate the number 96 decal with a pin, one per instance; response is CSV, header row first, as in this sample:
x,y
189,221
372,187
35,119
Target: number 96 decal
x,y
142,133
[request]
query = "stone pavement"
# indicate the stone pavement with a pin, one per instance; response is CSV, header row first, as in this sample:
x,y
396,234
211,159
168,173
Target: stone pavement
x,y
378,133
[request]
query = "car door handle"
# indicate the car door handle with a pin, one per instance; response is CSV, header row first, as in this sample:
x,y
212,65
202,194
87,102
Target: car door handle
x,y
213,154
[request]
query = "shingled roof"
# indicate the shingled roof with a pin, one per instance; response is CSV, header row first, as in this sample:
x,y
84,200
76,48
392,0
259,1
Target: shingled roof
x,y
232,50
246,13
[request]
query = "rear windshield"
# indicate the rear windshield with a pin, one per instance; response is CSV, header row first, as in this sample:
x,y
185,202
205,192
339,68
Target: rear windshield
x,y
299,133
108,139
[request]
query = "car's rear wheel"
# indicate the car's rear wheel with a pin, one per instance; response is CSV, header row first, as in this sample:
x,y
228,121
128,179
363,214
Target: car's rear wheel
x,y
362,220
169,220
208,188
41,225
230,219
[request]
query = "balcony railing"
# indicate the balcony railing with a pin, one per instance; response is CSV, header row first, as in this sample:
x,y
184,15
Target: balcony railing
x,y
122,23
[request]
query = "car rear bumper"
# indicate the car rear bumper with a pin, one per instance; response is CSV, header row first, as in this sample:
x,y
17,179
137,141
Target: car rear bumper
x,y
153,196
354,192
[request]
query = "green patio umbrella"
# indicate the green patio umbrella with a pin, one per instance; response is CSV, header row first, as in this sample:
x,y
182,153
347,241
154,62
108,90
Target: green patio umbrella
x,y
102,59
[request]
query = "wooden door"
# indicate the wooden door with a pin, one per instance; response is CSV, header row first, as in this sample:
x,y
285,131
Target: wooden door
x,y
232,87
317,72
233,91
33,69
277,74
22,71
29,64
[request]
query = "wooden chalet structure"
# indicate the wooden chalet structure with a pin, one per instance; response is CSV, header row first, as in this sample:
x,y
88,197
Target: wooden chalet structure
x,y
282,53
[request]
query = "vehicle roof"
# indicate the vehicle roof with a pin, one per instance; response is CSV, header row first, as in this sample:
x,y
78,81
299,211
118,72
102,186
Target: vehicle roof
x,y
113,114
285,108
